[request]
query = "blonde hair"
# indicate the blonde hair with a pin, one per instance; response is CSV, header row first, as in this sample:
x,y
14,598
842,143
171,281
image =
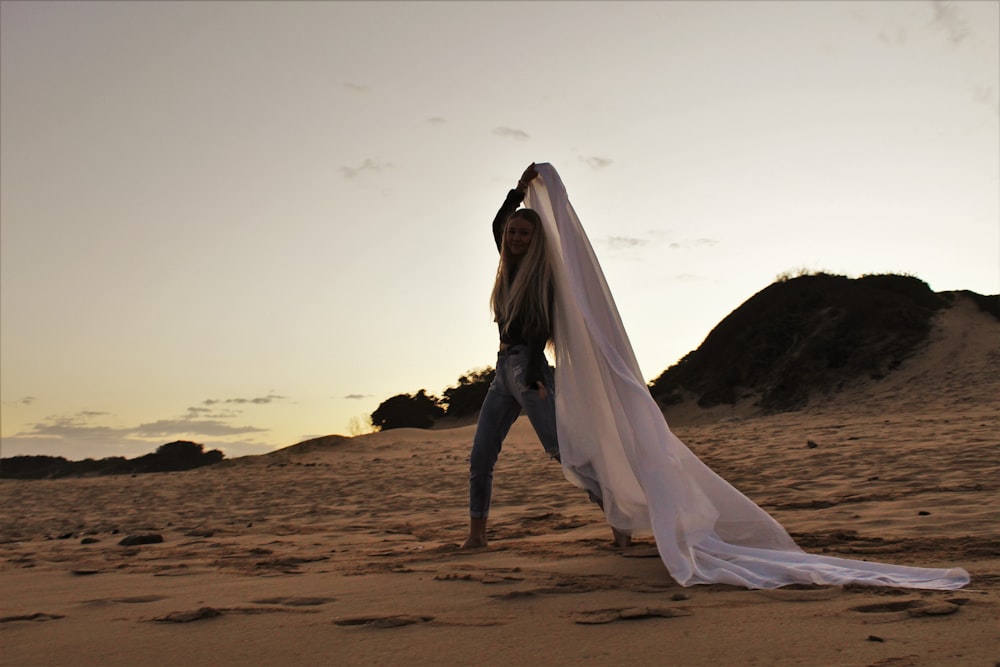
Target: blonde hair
x,y
523,287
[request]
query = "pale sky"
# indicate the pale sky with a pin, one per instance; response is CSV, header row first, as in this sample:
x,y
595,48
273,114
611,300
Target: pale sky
x,y
247,223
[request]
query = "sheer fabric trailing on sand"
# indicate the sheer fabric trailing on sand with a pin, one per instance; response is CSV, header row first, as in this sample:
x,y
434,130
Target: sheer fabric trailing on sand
x,y
614,441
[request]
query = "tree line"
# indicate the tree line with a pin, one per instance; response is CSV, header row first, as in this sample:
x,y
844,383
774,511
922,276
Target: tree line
x,y
171,457
421,410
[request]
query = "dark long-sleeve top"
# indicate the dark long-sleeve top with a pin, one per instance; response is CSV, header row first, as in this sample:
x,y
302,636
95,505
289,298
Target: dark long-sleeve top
x,y
515,334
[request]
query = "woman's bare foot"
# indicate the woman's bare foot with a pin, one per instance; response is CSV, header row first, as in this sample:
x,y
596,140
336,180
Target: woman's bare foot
x,y
474,542
477,534
621,539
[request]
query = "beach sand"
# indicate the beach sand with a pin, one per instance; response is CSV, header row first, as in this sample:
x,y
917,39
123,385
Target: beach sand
x,y
344,551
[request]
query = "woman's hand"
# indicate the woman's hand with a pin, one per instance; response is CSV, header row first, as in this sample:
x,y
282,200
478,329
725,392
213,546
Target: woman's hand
x,y
542,391
529,175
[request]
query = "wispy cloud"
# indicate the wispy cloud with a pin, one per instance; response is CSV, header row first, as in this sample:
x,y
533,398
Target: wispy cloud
x,y
511,133
260,400
355,87
77,426
622,242
23,401
436,120
368,166
356,397
81,427
597,162
654,238
215,412
950,19
893,36
164,428
90,430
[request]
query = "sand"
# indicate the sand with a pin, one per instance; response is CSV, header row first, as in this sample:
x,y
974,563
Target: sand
x,y
344,551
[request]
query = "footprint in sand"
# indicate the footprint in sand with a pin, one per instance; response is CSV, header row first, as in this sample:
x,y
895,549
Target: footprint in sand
x,y
887,612
135,599
294,601
639,552
188,616
514,595
602,616
286,606
487,578
383,622
805,594
36,617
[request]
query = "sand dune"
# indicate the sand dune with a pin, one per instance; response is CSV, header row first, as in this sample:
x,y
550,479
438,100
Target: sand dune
x,y
344,551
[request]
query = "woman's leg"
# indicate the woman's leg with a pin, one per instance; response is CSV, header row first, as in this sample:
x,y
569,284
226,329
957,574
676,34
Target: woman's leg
x,y
542,411
498,413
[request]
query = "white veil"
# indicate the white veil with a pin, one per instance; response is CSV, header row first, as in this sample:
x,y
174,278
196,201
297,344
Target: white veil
x,y
614,441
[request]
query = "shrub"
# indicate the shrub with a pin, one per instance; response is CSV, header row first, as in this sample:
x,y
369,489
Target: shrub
x,y
407,411
467,397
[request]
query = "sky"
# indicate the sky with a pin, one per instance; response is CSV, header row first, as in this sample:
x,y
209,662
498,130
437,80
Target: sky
x,y
247,224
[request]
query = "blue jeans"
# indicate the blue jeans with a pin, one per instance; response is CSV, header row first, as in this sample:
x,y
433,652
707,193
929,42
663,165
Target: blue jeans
x,y
507,396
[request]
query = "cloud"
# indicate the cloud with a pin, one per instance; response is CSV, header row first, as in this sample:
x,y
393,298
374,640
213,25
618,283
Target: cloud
x,y
511,133
895,36
260,400
597,162
173,427
79,427
216,409
653,238
436,120
83,435
622,242
356,397
24,400
354,87
212,413
949,19
76,426
368,165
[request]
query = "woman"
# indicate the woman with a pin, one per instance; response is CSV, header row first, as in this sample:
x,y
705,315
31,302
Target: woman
x,y
522,304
